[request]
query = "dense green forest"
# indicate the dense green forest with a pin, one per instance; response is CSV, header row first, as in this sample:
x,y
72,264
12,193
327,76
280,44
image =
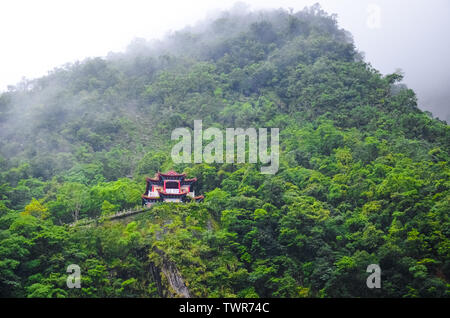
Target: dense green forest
x,y
363,177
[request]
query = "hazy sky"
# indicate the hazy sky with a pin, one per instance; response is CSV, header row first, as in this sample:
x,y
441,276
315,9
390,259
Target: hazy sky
x,y
37,36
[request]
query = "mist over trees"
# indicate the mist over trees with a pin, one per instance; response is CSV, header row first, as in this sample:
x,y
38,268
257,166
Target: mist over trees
x,y
363,179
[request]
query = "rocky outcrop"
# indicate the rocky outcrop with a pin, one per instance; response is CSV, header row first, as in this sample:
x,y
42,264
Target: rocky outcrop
x,y
175,280
173,277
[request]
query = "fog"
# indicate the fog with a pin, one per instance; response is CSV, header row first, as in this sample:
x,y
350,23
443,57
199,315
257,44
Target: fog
x,y
410,35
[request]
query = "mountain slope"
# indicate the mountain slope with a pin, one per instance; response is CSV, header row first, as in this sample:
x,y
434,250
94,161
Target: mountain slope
x,y
363,178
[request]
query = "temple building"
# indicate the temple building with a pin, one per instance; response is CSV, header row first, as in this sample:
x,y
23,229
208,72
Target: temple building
x,y
169,187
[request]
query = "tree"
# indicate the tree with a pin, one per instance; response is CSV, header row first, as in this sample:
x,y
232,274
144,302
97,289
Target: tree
x,y
74,196
36,209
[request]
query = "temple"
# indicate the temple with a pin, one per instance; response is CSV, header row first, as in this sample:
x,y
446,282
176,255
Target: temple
x,y
169,187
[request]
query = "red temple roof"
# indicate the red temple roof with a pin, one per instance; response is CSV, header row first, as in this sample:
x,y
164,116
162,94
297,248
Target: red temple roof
x,y
159,177
172,173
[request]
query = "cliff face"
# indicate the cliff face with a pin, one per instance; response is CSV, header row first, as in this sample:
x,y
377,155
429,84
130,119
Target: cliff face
x,y
176,285
175,280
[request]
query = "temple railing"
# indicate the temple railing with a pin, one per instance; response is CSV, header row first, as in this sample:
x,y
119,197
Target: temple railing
x,y
117,215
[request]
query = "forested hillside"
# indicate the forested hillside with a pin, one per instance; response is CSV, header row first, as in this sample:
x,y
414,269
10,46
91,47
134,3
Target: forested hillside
x,y
363,177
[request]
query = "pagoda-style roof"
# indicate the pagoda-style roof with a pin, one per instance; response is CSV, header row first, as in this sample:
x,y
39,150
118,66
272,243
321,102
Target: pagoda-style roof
x,y
161,179
170,175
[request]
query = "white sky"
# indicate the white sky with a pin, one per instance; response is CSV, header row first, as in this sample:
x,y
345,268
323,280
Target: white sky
x,y
36,36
